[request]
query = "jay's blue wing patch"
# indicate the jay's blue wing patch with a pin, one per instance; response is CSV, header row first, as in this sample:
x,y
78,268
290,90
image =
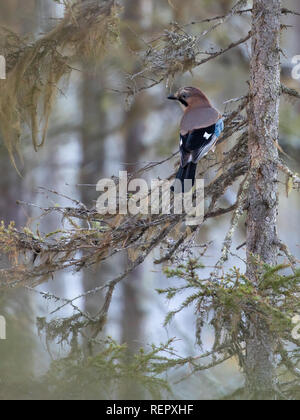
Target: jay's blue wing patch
x,y
219,127
197,143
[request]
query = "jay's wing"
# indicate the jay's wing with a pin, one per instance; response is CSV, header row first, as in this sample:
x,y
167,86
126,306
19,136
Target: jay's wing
x,y
197,117
185,155
197,143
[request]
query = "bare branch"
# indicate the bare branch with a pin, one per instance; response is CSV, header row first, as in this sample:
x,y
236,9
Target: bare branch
x,y
290,92
224,50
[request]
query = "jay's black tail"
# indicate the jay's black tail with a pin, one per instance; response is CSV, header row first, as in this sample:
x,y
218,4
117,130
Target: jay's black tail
x,y
189,173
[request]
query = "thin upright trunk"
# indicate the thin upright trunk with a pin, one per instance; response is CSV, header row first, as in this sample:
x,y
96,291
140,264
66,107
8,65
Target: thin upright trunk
x,y
132,322
94,125
132,316
92,137
17,352
263,116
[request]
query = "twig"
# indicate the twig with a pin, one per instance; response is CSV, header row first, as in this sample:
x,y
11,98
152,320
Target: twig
x,y
224,50
294,177
290,92
242,194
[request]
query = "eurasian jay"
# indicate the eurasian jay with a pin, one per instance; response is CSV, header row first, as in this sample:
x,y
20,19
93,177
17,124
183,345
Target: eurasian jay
x,y
200,127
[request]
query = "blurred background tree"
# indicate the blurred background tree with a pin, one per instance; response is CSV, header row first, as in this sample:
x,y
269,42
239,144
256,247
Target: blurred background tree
x,y
95,130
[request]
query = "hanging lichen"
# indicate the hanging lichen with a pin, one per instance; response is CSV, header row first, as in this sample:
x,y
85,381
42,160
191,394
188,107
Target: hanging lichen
x,y
34,69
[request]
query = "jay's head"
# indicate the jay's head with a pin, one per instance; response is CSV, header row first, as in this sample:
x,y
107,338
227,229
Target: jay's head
x,y
190,96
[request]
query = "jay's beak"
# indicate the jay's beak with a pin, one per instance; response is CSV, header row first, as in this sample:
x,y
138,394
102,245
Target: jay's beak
x,y
173,97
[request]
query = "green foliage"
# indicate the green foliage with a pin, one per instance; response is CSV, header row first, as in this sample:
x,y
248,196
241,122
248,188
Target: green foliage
x,y
109,372
231,299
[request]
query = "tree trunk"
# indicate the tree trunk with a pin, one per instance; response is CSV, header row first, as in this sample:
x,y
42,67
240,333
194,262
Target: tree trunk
x,y
93,158
16,304
263,113
132,322
132,314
